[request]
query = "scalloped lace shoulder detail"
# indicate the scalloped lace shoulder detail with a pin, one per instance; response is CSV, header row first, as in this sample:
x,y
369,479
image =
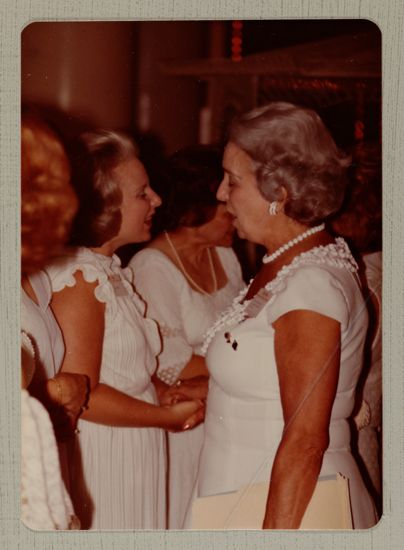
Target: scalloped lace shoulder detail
x,y
333,255
62,270
95,267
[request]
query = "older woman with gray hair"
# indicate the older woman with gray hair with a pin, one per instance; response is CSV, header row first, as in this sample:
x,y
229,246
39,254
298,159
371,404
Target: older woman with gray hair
x,y
285,358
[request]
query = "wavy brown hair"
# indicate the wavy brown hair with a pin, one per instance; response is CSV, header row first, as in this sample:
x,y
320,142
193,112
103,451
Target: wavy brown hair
x,y
192,177
94,157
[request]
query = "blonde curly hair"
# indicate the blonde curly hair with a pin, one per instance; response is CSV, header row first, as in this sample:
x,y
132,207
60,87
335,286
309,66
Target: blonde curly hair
x,y
48,202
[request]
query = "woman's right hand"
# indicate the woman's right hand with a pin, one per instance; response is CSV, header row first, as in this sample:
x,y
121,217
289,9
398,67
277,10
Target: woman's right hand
x,y
184,415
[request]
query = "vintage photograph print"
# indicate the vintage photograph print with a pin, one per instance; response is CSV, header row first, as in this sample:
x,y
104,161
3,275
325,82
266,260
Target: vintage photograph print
x,y
201,260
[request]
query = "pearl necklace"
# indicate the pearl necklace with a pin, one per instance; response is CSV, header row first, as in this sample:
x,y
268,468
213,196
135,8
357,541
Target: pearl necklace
x,y
184,271
271,257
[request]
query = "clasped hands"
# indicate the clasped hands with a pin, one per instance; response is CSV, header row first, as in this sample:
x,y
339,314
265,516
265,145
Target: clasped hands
x,y
187,390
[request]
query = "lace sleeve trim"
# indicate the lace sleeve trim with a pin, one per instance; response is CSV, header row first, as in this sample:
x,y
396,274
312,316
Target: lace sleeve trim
x,y
170,374
60,278
62,274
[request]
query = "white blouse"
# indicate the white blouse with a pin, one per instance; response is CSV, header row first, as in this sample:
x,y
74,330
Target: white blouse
x,y
183,314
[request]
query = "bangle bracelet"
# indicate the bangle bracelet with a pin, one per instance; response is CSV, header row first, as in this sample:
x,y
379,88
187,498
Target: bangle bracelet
x,y
59,390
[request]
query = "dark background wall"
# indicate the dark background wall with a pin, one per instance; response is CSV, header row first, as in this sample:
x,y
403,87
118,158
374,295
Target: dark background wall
x,y
113,74
109,73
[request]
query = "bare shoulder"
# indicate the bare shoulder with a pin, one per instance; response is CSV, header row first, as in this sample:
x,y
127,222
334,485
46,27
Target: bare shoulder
x,y
78,298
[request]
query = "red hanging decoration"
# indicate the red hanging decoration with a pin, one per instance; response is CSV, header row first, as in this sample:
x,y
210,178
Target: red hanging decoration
x,y
236,40
360,112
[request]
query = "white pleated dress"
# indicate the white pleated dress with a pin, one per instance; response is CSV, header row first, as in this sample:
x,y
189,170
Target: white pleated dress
x,y
117,474
183,315
244,418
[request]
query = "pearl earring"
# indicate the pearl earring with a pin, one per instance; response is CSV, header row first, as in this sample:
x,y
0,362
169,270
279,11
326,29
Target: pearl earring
x,y
273,208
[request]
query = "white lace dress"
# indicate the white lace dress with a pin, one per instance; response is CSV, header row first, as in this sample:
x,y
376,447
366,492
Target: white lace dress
x,y
118,474
244,420
183,315
45,503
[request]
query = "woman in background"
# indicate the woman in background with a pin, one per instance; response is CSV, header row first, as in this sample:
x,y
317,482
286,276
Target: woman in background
x,y
187,275
48,204
360,223
118,460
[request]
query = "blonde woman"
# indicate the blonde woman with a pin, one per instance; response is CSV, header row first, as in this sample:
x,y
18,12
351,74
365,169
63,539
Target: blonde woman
x,y
118,462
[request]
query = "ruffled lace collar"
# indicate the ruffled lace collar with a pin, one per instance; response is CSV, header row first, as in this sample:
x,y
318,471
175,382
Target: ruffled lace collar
x,y
113,265
334,254
110,260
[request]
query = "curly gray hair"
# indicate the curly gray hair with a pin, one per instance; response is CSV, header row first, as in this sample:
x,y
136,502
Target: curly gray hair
x,y
290,147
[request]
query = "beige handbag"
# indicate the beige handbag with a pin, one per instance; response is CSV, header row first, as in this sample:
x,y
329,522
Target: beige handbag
x,y
329,507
